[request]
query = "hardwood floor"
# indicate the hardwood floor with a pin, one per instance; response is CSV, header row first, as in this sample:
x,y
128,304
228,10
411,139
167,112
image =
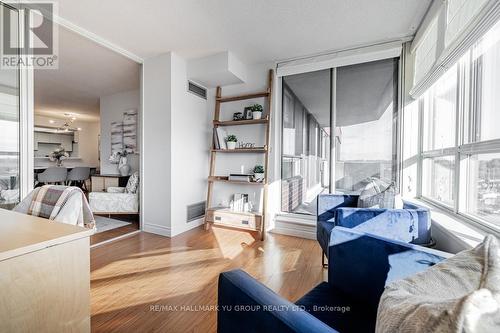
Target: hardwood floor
x,y
113,233
150,283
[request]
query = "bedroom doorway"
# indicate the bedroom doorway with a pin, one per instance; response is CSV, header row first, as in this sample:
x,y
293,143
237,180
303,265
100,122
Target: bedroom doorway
x,y
87,133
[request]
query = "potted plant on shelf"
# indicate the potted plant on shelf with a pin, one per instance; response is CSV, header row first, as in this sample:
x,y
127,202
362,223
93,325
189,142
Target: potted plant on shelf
x,y
231,140
258,172
58,156
257,111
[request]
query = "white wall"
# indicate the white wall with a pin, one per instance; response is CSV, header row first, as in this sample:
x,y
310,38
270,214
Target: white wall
x,y
156,145
87,143
191,132
175,149
111,109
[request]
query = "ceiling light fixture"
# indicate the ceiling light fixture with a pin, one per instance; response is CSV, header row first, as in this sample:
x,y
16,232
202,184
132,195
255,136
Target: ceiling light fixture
x,y
66,127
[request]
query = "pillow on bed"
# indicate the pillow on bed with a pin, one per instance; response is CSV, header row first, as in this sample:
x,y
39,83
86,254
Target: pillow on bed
x,y
133,183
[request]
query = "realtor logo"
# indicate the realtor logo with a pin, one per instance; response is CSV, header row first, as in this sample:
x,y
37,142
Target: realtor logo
x,y
29,35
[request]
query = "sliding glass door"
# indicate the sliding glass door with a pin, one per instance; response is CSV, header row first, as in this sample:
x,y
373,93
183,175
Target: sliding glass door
x,y
366,114
339,130
9,119
306,140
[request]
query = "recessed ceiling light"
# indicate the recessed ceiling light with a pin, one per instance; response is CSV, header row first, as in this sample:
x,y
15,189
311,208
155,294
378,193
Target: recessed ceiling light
x,y
79,128
51,121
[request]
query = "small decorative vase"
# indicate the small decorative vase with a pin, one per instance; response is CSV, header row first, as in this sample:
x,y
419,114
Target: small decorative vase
x,y
123,166
231,145
257,114
258,177
59,162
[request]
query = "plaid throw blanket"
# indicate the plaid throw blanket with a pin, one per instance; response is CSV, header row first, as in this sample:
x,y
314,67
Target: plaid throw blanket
x,y
48,200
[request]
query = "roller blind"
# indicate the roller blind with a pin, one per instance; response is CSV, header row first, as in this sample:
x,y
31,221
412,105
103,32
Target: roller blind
x,y
453,30
341,58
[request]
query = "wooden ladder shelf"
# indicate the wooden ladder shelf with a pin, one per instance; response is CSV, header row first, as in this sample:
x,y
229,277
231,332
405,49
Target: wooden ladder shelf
x,y
255,220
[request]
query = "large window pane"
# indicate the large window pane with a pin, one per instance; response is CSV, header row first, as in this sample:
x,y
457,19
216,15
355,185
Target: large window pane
x,y
483,187
9,126
366,105
486,56
306,141
440,111
438,179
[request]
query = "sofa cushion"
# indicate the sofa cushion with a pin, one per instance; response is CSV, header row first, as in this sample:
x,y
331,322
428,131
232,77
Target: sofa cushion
x,y
379,194
337,310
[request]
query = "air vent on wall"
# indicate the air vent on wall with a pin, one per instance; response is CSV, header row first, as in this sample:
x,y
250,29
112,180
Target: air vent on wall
x,y
197,90
195,211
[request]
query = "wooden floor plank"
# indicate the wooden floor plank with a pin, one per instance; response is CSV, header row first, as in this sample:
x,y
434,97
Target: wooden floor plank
x,y
150,283
113,233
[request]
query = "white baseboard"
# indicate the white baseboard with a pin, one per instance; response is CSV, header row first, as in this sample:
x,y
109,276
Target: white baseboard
x,y
187,227
303,228
166,231
157,229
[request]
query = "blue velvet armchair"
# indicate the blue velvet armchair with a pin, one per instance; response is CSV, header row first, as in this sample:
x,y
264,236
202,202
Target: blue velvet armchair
x,y
360,266
412,224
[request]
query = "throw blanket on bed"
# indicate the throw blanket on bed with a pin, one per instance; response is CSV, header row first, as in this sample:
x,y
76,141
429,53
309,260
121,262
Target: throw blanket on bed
x,y
460,294
48,200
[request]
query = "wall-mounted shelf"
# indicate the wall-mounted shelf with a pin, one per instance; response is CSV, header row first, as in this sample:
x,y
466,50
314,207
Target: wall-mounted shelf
x,y
254,221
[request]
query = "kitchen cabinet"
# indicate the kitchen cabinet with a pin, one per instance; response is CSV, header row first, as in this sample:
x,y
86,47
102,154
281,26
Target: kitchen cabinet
x,y
62,139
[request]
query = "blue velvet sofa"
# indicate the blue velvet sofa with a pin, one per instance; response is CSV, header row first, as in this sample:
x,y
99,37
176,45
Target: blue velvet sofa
x,y
412,224
360,265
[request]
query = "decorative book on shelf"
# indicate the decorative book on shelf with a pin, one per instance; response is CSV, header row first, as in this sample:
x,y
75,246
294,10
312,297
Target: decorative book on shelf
x,y
240,215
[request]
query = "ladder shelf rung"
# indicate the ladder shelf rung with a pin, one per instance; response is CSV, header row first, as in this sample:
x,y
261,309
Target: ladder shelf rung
x,y
243,97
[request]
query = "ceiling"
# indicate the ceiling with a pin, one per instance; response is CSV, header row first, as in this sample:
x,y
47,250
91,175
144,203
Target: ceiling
x,y
86,72
256,31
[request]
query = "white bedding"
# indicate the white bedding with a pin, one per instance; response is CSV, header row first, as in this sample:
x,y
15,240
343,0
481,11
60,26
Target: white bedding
x,y
103,202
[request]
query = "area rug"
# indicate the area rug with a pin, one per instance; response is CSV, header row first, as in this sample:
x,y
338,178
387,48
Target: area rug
x,y
104,223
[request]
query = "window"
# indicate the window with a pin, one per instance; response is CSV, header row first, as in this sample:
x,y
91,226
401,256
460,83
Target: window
x,y
306,141
482,181
459,155
9,125
440,112
366,114
361,101
486,57
438,181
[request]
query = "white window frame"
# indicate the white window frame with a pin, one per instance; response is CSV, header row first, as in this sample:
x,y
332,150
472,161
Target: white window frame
x,y
464,145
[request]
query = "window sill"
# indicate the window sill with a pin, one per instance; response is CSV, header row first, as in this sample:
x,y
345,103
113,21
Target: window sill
x,y
461,231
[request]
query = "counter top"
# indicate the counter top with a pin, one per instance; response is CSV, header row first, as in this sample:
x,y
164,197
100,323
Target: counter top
x,y
64,166
21,234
